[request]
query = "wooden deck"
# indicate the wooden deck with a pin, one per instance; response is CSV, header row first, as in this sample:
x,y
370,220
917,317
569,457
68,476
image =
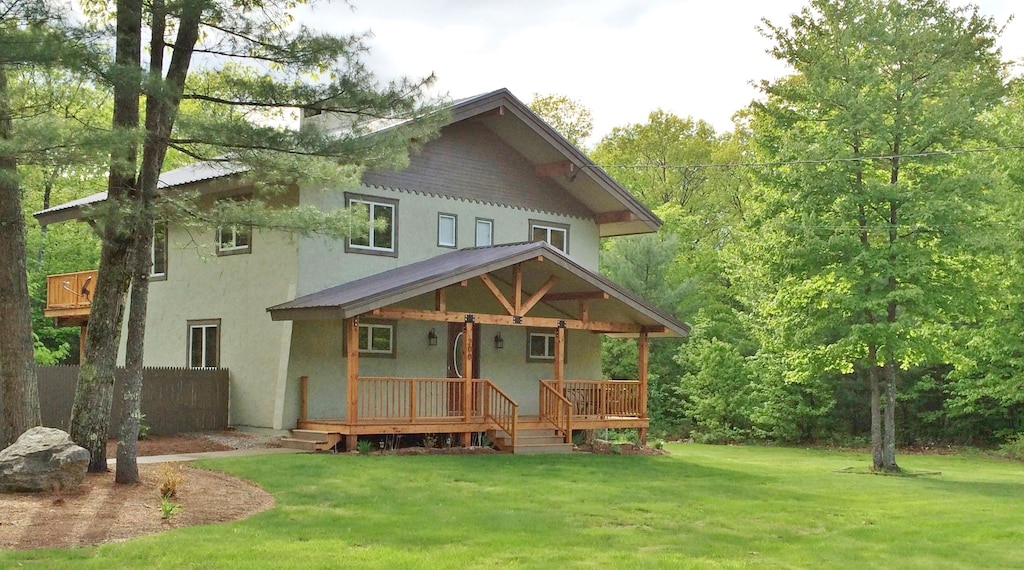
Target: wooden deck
x,y
387,406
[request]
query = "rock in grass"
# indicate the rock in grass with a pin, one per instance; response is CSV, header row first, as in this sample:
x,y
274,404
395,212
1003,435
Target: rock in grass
x,y
43,459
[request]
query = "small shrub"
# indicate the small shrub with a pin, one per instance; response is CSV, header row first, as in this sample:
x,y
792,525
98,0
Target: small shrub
x,y
1013,448
167,508
616,449
659,444
364,447
168,480
143,427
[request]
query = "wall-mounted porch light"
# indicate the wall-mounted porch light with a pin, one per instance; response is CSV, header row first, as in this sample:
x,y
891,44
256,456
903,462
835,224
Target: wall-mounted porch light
x,y
432,338
498,341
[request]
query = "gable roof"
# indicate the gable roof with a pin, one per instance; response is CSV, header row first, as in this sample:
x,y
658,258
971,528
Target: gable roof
x,y
615,210
406,282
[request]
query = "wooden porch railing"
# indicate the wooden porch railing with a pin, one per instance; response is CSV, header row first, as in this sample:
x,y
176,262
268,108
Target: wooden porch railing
x,y
556,409
70,293
603,399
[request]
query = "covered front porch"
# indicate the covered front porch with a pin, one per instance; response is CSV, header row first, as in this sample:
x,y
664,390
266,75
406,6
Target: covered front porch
x,y
526,295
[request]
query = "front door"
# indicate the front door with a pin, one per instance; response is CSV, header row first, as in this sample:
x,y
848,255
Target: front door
x,y
456,334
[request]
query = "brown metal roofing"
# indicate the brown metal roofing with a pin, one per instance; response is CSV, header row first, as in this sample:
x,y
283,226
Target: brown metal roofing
x,y
396,285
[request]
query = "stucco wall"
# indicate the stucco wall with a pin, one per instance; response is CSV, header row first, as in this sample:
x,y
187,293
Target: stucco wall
x,y
324,263
236,289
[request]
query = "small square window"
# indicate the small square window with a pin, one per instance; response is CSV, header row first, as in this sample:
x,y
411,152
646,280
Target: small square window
x,y
377,339
234,239
484,232
446,230
557,235
541,345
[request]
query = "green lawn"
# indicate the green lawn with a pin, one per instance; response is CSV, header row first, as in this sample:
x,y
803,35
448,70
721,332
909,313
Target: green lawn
x,y
701,507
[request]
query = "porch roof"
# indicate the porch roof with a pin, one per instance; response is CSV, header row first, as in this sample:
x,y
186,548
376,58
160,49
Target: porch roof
x,y
610,302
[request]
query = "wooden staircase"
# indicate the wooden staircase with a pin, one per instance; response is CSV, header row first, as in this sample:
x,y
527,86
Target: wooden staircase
x,y
531,442
311,440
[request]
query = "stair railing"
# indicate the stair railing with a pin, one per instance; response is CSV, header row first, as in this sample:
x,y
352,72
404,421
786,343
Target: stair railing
x,y
556,409
501,410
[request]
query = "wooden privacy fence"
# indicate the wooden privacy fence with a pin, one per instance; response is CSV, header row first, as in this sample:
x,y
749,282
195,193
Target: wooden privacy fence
x,y
174,400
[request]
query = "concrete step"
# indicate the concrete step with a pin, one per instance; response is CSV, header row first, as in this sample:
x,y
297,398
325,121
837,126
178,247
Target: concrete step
x,y
296,443
304,438
539,449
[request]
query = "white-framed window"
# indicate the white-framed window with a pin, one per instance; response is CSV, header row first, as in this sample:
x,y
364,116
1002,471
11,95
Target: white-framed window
x,y
555,234
158,252
204,343
381,237
377,339
447,225
484,232
234,239
540,345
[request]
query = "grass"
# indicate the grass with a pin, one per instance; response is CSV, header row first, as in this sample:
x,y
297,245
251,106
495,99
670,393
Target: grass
x,y
701,507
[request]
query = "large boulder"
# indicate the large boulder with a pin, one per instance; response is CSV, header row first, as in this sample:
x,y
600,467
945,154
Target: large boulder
x,y
43,459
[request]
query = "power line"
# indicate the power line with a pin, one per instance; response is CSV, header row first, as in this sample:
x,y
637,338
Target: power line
x,y
946,153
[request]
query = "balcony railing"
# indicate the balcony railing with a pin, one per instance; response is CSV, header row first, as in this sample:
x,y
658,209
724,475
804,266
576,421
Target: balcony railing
x,y
70,295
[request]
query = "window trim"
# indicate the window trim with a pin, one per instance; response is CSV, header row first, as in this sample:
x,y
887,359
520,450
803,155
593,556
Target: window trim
x,y
476,233
159,229
379,323
455,230
201,324
371,201
550,226
547,333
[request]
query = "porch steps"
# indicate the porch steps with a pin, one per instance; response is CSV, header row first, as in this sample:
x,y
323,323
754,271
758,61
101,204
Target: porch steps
x,y
531,442
311,440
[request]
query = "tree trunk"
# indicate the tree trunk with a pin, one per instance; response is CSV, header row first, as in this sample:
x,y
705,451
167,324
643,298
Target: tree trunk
x,y
889,457
20,397
877,463
127,469
90,415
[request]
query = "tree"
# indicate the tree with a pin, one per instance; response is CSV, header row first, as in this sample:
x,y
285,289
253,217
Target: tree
x,y
568,116
25,41
863,235
264,64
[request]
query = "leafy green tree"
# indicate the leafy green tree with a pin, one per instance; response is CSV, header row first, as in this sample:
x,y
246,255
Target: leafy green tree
x,y
264,63
863,235
568,116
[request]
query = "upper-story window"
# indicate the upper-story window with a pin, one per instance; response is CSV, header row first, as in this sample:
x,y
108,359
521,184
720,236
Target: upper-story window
x,y
446,230
158,252
381,236
555,234
234,239
484,232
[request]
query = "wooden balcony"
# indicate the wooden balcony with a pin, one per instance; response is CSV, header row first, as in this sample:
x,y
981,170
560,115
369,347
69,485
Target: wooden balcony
x,y
69,297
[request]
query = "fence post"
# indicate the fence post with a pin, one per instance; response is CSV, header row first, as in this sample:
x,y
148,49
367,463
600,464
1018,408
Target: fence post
x,y
304,395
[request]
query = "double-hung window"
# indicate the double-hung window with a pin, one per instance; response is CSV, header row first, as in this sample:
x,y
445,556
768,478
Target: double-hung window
x,y
446,230
158,252
484,232
379,235
204,344
555,234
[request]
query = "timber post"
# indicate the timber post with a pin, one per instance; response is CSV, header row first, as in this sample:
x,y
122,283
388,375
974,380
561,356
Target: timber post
x,y
467,376
642,346
560,358
303,398
352,366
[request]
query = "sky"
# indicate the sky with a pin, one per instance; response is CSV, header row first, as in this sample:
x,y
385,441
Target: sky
x,y
621,58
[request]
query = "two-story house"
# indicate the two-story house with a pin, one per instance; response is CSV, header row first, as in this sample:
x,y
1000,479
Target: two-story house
x,y
473,305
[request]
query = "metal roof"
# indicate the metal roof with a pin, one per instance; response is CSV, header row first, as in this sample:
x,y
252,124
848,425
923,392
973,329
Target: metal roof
x,y
402,283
